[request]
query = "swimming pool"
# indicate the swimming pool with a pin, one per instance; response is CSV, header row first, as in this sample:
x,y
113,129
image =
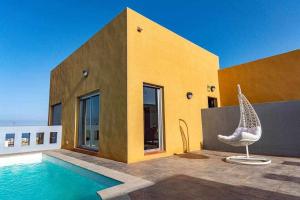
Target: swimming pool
x,y
51,179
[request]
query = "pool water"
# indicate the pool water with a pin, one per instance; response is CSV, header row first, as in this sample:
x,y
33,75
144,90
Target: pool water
x,y
51,179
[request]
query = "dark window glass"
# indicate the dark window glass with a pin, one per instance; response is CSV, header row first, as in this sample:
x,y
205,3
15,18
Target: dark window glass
x,y
56,114
152,118
150,96
40,138
212,102
53,137
9,140
25,139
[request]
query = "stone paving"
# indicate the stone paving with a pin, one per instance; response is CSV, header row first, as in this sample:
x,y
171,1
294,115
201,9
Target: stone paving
x,y
204,175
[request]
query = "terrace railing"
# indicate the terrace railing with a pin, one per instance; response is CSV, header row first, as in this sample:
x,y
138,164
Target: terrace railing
x,y
19,139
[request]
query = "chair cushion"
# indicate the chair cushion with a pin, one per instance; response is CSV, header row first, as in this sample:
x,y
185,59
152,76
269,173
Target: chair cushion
x,y
241,135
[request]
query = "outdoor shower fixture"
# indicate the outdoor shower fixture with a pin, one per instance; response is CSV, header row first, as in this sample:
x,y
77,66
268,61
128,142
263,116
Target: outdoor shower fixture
x,y
85,73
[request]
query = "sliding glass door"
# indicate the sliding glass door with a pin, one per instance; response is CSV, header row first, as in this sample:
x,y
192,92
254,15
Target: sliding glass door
x,y
88,133
153,123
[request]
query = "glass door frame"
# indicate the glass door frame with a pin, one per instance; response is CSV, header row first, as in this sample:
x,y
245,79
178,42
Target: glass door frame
x,y
161,135
80,98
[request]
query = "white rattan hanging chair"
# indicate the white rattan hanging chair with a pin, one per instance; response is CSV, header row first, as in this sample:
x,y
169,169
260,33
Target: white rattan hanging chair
x,y
248,132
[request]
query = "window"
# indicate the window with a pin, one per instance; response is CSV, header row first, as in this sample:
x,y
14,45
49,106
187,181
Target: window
x,y
153,122
25,139
40,138
9,140
88,133
53,137
56,114
212,102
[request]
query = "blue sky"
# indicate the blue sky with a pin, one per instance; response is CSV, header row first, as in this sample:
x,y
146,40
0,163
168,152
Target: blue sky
x,y
35,36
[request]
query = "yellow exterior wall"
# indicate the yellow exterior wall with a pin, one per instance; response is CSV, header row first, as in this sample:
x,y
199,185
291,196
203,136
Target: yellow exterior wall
x,y
105,56
120,59
275,78
160,57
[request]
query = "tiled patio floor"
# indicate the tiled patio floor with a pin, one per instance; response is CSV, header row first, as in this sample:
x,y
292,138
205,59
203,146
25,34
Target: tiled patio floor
x,y
204,175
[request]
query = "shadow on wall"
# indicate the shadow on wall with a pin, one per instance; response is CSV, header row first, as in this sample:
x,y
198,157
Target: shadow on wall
x,y
280,128
182,187
184,131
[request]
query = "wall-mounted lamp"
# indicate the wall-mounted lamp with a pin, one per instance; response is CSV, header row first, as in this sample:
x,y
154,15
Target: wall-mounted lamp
x,y
85,73
211,88
189,95
139,29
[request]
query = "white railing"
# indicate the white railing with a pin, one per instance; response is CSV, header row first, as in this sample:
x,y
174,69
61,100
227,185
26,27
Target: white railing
x,y
19,139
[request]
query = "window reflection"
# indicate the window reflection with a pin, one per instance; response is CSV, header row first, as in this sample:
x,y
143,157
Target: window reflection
x,y
152,118
40,138
53,137
9,140
88,134
56,114
25,139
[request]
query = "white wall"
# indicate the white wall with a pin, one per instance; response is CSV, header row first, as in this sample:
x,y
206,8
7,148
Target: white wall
x,y
18,130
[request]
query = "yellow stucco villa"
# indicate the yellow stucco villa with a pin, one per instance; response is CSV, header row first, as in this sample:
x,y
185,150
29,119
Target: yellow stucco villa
x,y
135,91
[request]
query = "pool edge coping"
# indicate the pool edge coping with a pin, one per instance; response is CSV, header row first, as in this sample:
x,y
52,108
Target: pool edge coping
x,y
129,184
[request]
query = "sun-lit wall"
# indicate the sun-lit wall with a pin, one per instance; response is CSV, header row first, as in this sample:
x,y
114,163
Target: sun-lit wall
x,y
275,78
160,57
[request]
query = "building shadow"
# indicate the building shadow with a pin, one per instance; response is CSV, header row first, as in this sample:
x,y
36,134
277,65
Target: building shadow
x,y
291,163
279,177
192,156
184,131
182,187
